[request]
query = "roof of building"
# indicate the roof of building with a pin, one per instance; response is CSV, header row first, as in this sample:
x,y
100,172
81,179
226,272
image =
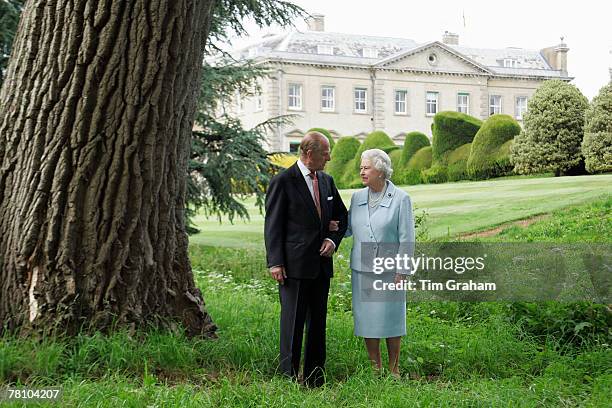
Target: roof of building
x,y
348,49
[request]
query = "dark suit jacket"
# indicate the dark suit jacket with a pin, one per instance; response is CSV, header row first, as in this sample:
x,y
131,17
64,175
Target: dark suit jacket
x,y
293,231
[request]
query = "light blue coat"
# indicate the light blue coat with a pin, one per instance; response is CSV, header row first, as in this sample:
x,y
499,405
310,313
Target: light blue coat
x,y
392,223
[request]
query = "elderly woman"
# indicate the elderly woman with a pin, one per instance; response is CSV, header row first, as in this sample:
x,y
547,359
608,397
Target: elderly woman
x,y
379,214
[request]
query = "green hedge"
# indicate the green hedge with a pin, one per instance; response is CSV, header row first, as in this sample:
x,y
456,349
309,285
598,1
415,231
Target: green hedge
x,y
457,163
436,174
421,160
327,135
396,157
343,152
410,173
486,157
451,130
413,143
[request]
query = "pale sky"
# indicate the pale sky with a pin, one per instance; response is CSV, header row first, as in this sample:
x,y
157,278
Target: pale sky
x,y
531,24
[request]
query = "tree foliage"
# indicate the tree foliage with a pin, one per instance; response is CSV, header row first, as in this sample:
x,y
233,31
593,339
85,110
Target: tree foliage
x,y
228,161
216,132
554,128
229,17
597,143
9,17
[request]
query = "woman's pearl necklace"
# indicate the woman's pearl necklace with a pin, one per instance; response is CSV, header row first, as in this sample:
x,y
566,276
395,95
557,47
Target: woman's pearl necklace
x,y
373,202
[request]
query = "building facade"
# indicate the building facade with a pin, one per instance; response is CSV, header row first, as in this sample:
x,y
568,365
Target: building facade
x,y
354,84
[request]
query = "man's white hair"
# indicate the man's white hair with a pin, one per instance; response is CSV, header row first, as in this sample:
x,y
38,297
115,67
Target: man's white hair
x,y
379,160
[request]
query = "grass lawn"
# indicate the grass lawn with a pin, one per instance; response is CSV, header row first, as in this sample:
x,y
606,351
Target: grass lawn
x,y
456,354
453,208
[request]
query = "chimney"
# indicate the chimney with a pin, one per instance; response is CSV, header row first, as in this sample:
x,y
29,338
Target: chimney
x,y
450,38
557,57
316,22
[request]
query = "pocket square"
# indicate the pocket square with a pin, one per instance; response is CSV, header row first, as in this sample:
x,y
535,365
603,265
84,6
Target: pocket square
x,y
330,198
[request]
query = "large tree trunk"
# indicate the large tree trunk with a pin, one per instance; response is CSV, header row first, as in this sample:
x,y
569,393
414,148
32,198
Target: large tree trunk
x,y
96,116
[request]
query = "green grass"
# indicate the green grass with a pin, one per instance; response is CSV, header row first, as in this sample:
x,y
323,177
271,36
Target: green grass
x,y
455,354
453,208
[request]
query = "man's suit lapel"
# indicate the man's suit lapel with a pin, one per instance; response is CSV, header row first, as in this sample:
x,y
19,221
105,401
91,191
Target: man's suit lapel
x,y
302,188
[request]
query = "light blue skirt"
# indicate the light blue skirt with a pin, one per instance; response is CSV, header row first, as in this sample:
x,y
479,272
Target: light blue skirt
x,y
377,314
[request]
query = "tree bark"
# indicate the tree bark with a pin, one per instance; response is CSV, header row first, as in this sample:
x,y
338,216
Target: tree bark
x,y
95,123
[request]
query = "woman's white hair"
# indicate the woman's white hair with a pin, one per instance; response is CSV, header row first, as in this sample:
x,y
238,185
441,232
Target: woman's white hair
x,y
380,160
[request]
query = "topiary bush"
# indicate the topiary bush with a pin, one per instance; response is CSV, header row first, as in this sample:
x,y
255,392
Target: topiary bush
x,y
435,174
487,159
451,130
327,135
597,144
553,130
421,160
413,142
457,163
343,153
395,156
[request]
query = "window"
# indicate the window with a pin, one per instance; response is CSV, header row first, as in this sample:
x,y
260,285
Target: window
x,y
369,53
401,102
510,63
361,104
495,104
258,102
521,106
463,102
294,147
431,102
328,103
325,49
432,59
295,96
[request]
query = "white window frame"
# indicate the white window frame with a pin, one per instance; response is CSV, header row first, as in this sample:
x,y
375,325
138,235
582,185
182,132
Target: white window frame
x,y
325,49
360,100
520,110
399,101
510,63
463,107
330,99
495,108
432,103
294,99
369,52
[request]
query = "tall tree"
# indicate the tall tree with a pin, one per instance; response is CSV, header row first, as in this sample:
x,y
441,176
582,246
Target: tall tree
x,y
554,128
222,149
96,119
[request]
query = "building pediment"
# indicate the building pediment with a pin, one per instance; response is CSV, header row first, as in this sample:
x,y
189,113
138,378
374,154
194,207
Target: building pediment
x,y
434,56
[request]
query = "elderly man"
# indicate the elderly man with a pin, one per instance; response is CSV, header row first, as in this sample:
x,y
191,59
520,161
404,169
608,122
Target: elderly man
x,y
300,203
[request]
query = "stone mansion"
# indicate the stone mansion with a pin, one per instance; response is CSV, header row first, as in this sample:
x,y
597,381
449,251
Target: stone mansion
x,y
354,84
